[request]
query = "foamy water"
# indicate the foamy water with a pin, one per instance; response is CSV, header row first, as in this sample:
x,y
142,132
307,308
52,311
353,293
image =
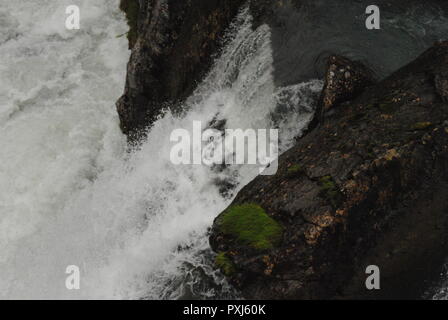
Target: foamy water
x,y
70,194
58,131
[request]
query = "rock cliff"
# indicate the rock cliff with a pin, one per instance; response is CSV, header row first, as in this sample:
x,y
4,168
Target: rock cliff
x,y
367,186
173,43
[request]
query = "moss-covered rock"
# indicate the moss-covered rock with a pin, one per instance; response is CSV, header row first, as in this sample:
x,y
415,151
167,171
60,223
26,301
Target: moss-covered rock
x,y
295,170
249,225
223,263
329,191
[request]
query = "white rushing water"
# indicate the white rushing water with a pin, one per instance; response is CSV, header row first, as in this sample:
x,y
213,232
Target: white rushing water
x,y
70,193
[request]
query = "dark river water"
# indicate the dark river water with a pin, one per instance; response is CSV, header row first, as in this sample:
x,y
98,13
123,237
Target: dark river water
x,y
305,32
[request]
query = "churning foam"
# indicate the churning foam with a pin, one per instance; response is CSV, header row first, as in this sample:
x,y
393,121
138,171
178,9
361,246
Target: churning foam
x,y
70,194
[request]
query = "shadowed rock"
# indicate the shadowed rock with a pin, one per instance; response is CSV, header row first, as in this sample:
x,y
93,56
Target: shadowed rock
x,y
367,187
344,80
441,82
173,43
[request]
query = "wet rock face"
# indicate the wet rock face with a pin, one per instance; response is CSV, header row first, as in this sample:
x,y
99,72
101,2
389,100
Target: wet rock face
x,y
344,79
131,8
172,43
369,186
441,82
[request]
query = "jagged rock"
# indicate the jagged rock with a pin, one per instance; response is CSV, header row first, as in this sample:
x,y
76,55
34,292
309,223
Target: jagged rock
x,y
344,79
367,187
172,43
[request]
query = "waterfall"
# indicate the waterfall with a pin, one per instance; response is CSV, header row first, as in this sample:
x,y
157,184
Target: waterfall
x,y
70,191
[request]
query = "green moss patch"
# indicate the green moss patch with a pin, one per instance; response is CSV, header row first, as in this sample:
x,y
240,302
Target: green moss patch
x,y
250,225
131,9
329,191
295,169
224,264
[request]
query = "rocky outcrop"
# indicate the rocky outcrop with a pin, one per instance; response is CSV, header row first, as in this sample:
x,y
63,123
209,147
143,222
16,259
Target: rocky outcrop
x,y
368,186
173,43
344,79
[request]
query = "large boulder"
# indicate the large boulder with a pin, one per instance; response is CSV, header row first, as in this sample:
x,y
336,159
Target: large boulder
x,y
172,43
369,186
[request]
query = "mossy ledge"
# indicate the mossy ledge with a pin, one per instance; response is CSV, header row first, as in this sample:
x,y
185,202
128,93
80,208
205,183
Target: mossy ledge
x,y
295,170
223,262
330,191
249,225
131,9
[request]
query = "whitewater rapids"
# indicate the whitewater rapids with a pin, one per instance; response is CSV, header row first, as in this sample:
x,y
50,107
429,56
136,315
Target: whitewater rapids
x,y
70,191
